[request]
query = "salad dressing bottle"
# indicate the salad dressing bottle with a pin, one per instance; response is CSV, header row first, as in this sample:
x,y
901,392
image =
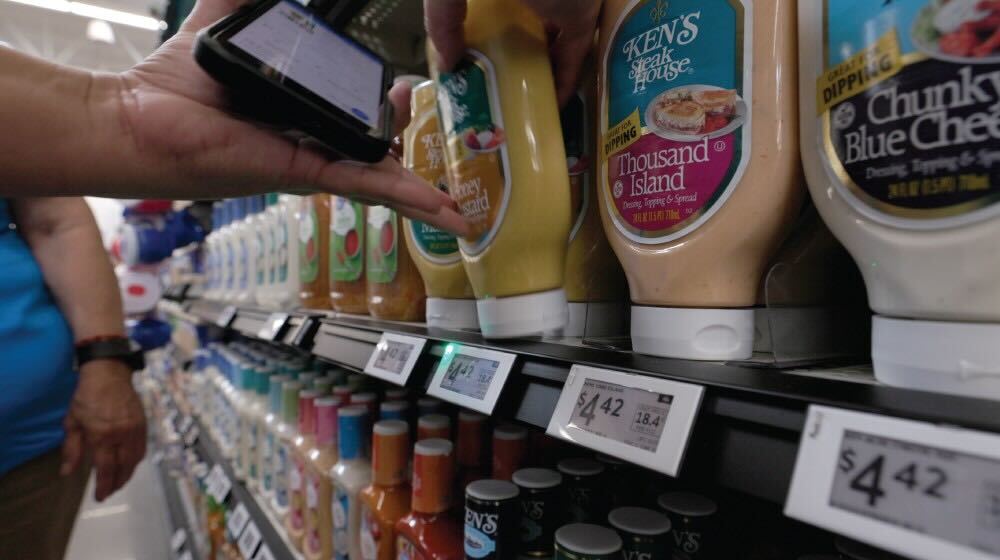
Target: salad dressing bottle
x,y
295,524
395,289
314,239
431,530
350,474
318,540
347,256
387,499
698,175
496,106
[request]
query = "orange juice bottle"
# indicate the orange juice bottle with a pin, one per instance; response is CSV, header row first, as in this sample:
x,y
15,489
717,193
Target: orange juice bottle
x,y
347,256
387,499
318,540
314,238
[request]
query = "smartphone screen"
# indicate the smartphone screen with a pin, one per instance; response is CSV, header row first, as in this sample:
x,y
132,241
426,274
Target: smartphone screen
x,y
296,45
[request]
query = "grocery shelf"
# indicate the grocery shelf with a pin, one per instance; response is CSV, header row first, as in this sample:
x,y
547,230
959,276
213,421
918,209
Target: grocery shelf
x,y
176,509
747,432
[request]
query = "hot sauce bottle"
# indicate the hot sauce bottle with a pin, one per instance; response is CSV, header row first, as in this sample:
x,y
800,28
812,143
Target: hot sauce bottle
x,y
431,531
510,442
469,449
431,426
318,540
387,499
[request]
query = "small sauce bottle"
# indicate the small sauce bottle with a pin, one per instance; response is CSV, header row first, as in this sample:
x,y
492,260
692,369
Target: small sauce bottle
x,y
295,524
692,522
583,490
318,541
645,533
387,499
347,256
431,426
367,399
350,475
314,240
584,541
431,531
395,288
492,519
510,443
394,410
540,502
470,449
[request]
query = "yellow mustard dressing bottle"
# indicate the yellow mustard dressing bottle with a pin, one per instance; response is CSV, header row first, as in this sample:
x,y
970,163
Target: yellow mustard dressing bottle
x,y
507,170
451,303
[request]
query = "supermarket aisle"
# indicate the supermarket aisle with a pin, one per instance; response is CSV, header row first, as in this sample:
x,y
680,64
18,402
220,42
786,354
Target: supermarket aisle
x,y
132,524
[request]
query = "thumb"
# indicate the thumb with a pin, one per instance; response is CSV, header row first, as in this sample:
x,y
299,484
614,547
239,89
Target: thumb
x,y
207,12
72,447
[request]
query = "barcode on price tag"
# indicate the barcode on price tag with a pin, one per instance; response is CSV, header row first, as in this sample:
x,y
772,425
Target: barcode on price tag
x,y
641,419
263,553
178,539
394,357
471,377
238,520
249,540
272,326
226,317
921,490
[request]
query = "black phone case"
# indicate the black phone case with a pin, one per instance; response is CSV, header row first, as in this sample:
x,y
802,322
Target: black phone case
x,y
270,102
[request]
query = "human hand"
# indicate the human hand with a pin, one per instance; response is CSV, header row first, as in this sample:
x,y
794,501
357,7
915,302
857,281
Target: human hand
x,y
105,421
177,117
571,22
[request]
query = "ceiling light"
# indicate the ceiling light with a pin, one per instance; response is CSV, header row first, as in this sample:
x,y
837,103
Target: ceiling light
x,y
97,12
100,31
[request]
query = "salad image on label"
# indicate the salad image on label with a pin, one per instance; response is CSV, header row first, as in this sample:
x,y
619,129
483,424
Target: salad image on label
x,y
959,30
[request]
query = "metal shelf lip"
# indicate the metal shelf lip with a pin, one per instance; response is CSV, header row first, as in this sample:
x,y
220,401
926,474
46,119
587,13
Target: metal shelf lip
x,y
175,508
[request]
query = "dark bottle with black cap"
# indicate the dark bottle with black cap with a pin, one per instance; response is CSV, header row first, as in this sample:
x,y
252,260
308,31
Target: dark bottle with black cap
x,y
692,523
492,519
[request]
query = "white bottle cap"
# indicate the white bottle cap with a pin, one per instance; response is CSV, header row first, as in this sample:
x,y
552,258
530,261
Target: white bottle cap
x,y
527,315
941,356
693,333
452,313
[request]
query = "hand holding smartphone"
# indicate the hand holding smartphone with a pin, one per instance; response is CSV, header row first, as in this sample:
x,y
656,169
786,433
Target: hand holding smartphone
x,y
288,66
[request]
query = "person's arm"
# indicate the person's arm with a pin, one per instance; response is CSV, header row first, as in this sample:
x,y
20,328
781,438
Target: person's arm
x,y
105,419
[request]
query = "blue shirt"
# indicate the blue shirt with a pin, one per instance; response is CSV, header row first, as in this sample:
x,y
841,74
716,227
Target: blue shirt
x,y
36,355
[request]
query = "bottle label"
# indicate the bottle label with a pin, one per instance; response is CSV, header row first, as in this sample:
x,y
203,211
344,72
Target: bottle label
x,y
347,261
675,124
382,242
281,250
480,534
252,451
540,517
230,265
339,508
308,239
475,147
426,159
260,262
265,462
296,495
644,547
281,477
244,269
406,551
578,141
371,534
908,109
312,538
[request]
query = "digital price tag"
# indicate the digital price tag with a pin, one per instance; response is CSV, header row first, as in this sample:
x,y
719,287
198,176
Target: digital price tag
x,y
263,553
191,437
186,556
641,419
226,317
218,485
237,520
394,357
915,488
249,540
471,377
273,326
178,539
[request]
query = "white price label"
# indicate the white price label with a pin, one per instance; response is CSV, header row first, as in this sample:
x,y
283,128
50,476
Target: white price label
x,y
272,326
185,424
642,419
471,377
249,540
218,485
186,556
178,539
394,357
263,553
191,437
238,520
226,316
918,489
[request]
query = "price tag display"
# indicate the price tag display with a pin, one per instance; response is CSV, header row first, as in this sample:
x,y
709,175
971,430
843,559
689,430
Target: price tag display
x,y
238,519
218,484
921,490
263,553
249,540
642,419
471,377
394,357
178,539
226,317
273,326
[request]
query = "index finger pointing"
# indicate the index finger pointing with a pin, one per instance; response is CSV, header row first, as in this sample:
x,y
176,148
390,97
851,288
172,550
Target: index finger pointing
x,y
443,20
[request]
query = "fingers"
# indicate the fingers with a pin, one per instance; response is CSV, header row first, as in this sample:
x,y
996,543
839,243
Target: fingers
x,y
72,447
399,96
443,20
446,219
106,465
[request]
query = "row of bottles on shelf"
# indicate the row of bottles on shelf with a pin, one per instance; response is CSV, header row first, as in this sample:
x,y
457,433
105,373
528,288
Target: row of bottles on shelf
x,y
331,455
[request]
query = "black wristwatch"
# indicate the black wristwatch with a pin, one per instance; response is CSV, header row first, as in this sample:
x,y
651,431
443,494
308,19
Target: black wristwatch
x,y
119,348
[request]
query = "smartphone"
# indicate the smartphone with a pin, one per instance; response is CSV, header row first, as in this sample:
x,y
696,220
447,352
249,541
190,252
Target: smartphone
x,y
285,65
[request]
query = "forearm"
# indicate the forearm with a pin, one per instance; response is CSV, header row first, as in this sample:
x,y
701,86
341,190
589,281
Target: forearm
x,y
67,244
